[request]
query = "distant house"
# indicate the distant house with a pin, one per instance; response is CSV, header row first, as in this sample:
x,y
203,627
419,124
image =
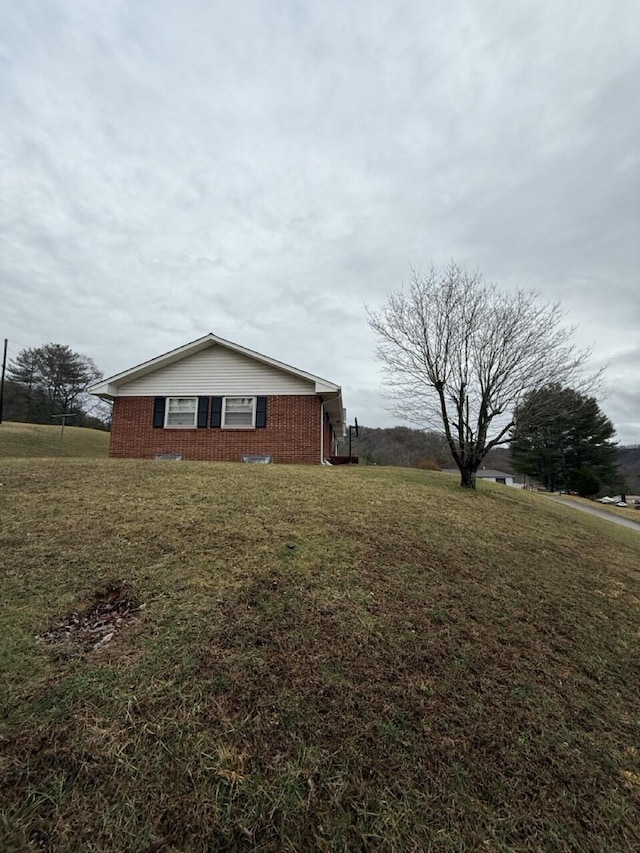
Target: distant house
x,y
212,399
487,474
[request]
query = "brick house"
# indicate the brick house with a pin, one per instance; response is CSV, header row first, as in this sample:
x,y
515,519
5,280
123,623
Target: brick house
x,y
215,400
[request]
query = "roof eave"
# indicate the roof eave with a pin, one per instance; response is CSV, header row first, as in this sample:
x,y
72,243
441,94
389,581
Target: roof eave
x,y
108,387
106,390
333,406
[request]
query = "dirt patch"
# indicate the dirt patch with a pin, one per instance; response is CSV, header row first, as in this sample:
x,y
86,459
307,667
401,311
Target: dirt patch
x,y
96,624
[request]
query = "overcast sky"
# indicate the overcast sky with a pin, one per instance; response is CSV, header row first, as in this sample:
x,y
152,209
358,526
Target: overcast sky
x,y
262,169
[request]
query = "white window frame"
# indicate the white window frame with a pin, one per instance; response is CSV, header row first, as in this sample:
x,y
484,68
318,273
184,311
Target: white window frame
x,y
238,426
167,425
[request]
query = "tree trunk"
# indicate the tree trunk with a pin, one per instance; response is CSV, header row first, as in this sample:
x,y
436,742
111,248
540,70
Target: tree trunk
x,y
468,478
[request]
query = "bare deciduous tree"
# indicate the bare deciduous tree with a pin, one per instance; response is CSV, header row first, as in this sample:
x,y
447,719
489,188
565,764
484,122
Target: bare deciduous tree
x,y
461,355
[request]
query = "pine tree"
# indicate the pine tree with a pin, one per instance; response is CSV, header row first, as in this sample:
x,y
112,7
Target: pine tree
x,y
563,439
52,378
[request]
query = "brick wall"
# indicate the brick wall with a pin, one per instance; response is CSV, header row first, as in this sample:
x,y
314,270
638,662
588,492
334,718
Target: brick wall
x,y
292,433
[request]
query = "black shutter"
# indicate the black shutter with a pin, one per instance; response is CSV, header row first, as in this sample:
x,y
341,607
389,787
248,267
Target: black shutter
x,y
158,411
261,412
216,412
203,411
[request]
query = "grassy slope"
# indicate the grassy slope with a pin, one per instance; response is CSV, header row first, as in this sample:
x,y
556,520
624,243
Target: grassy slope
x,y
328,659
30,440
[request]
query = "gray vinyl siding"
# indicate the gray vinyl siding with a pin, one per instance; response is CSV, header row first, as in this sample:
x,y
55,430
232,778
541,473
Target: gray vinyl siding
x,y
216,370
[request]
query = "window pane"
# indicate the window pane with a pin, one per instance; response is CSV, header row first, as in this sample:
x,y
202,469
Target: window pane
x,y
235,404
238,419
181,411
182,404
238,411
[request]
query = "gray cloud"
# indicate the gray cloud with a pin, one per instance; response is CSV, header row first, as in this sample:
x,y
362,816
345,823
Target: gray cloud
x,y
261,171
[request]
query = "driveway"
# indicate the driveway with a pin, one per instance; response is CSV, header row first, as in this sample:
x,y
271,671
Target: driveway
x,y
601,513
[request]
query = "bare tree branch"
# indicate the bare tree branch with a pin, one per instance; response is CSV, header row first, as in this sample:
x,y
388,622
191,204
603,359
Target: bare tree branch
x,y
461,356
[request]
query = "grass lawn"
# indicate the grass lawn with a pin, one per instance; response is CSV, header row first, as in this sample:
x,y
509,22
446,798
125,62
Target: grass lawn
x,y
31,440
328,658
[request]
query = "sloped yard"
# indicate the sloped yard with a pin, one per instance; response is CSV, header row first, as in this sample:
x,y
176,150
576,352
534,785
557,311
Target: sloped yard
x,y
311,658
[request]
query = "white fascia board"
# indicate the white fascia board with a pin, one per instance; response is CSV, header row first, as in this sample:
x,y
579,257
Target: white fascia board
x,y
112,382
105,390
326,388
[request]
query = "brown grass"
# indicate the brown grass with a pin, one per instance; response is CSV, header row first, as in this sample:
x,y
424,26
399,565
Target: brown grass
x,y
333,659
42,440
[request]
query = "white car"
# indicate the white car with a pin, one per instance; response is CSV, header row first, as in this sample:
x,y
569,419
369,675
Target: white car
x,y
621,503
607,500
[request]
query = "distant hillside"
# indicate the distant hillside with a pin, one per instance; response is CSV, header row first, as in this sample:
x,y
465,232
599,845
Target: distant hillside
x,y
400,446
22,440
406,447
629,462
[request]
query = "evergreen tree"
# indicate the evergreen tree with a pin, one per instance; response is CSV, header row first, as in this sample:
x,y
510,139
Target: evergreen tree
x,y
50,379
563,439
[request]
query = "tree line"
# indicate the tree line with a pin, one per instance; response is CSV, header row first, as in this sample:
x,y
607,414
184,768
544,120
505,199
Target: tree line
x,y
401,446
51,380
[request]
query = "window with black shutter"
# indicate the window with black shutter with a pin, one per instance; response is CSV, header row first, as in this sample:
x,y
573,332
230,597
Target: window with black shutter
x,y
216,412
158,411
261,412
